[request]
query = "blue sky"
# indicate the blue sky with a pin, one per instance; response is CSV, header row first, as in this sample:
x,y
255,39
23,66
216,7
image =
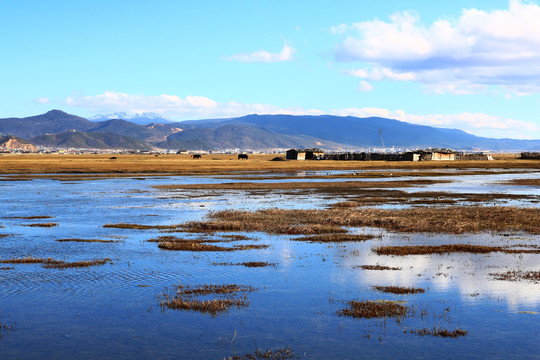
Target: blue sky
x,y
472,65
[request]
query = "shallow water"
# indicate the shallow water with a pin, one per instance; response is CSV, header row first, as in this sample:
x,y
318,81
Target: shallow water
x,y
113,311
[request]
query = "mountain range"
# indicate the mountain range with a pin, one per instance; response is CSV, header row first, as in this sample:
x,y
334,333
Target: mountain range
x,y
256,132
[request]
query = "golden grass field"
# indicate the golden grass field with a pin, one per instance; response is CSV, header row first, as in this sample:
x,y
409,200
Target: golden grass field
x,y
217,164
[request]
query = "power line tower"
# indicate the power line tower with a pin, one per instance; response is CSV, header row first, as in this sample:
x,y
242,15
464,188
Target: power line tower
x,y
382,141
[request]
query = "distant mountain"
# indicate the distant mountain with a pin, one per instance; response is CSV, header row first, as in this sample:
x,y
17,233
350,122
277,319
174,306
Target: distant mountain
x,y
232,136
140,119
82,140
256,132
52,122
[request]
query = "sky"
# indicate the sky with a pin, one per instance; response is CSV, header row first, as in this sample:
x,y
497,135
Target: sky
x,y
473,65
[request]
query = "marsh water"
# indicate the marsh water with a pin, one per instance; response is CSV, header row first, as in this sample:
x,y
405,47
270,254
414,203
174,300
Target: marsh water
x,y
113,310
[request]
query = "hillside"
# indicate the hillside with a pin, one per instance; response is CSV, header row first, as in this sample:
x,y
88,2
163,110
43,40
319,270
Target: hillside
x,y
232,136
11,142
81,140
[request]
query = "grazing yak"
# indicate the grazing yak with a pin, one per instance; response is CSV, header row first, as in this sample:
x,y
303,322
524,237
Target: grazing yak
x,y
242,157
196,156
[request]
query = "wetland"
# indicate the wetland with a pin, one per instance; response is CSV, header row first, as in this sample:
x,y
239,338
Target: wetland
x,y
166,258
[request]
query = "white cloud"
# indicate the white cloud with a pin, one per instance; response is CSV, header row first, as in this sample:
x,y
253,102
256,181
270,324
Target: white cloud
x,y
199,107
463,55
42,100
365,86
286,54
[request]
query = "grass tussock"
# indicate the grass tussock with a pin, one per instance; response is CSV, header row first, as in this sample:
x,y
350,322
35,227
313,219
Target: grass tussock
x,y
43,225
87,240
26,260
251,264
523,182
280,354
518,275
458,220
141,227
181,244
446,249
399,290
440,332
378,267
335,238
315,185
56,264
211,299
373,309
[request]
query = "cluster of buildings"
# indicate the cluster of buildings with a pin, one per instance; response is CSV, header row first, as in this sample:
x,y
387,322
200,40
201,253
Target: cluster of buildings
x,y
416,155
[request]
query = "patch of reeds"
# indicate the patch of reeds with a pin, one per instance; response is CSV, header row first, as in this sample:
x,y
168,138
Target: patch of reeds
x,y
43,225
280,354
323,186
192,245
440,332
399,290
141,227
86,240
518,275
6,268
26,260
212,299
37,217
447,249
56,264
373,309
252,264
523,182
458,219
334,238
377,267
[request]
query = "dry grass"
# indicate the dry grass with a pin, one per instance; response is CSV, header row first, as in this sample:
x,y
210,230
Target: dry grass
x,y
518,275
26,260
440,332
217,164
523,182
193,245
180,244
141,227
6,268
321,186
251,264
334,238
378,267
458,220
56,264
280,354
43,225
399,290
30,217
373,309
87,240
224,297
447,249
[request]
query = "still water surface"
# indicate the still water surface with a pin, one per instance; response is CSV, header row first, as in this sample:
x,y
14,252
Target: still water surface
x,y
113,311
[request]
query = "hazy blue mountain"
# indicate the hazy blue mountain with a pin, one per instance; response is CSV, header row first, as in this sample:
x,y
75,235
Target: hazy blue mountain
x,y
140,119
